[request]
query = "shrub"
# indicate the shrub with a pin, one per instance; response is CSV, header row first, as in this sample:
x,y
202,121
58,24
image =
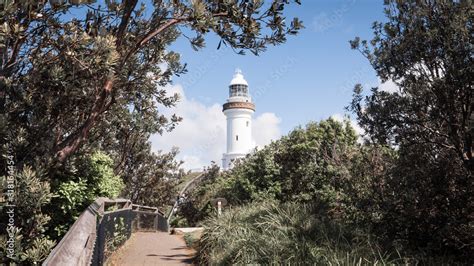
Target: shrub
x,y
415,201
91,176
30,223
427,199
195,207
308,163
290,233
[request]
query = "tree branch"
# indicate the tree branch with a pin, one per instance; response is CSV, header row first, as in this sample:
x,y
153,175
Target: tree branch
x,y
128,9
73,141
149,36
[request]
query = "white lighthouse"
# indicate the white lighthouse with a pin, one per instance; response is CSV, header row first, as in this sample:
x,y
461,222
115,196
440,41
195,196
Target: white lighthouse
x,y
238,110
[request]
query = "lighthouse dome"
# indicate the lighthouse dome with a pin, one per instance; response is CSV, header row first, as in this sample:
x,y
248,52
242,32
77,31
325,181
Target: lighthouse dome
x,y
238,78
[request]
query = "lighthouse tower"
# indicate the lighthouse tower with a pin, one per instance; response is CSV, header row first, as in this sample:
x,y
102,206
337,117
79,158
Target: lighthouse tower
x,y
238,110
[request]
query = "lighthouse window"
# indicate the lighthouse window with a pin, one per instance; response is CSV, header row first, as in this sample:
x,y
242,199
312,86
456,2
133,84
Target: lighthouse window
x,y
247,123
236,137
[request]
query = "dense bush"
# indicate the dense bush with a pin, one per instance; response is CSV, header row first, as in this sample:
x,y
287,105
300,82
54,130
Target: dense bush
x,y
151,178
368,187
195,207
85,179
427,199
322,162
311,163
32,244
291,233
308,163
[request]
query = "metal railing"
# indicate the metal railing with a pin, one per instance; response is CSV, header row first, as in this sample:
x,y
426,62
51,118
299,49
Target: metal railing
x,y
103,227
190,185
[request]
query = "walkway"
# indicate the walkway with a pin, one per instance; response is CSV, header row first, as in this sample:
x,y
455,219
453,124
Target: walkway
x,y
150,248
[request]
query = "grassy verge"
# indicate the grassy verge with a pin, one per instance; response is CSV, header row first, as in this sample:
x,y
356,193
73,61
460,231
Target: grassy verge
x,y
191,239
285,234
270,233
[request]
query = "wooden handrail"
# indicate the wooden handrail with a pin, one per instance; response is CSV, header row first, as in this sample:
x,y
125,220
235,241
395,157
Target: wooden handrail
x,y
79,235
78,245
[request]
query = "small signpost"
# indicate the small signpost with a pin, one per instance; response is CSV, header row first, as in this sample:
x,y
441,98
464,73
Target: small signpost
x,y
219,203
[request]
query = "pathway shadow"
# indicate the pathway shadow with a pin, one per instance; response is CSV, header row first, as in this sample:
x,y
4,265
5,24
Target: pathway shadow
x,y
184,258
179,248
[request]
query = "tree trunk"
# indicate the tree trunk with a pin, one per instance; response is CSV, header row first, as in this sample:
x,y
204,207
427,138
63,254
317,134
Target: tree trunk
x,y
73,142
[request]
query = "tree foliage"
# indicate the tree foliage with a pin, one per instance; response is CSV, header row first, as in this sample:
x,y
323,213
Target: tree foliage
x,y
73,70
196,206
309,164
82,89
151,179
78,185
314,164
426,49
32,244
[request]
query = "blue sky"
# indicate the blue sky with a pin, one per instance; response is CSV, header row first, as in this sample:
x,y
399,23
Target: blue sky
x,y
308,78
316,69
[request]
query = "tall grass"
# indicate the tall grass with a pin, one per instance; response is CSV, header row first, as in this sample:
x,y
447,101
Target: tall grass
x,y
271,233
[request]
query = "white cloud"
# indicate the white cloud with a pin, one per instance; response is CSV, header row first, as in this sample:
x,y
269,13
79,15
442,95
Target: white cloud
x,y
265,128
200,137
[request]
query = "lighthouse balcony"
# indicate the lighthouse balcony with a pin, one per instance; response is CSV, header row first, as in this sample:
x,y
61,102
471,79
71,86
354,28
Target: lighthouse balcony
x,y
239,105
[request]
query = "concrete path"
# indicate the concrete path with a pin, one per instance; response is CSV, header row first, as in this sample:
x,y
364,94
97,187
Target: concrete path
x,y
150,248
183,230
